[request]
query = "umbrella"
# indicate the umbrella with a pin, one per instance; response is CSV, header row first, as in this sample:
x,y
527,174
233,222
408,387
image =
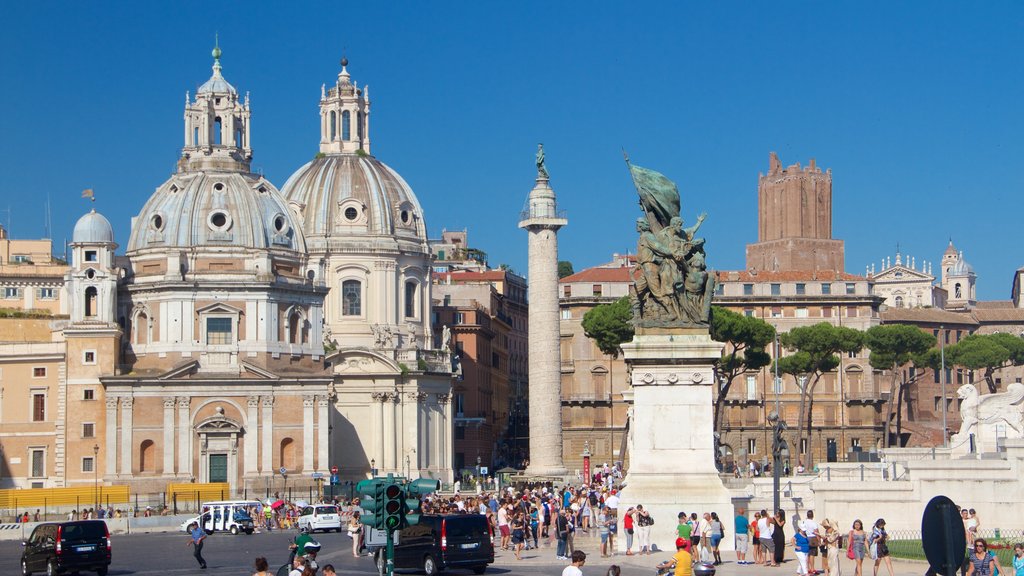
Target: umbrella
x,y
277,504
301,503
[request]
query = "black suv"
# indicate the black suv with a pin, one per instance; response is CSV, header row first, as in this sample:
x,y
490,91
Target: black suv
x,y
67,547
443,542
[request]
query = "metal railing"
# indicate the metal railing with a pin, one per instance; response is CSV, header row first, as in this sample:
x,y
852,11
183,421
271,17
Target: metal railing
x,y
907,544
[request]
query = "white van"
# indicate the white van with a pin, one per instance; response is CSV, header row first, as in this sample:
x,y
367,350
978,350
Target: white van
x,y
229,515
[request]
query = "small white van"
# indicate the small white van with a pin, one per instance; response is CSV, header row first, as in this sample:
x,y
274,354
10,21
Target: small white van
x,y
228,515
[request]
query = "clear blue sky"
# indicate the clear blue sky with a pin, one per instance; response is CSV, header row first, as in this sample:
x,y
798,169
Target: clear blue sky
x,y
918,108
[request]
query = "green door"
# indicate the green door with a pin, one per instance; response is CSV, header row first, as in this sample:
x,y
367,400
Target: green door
x,y
218,467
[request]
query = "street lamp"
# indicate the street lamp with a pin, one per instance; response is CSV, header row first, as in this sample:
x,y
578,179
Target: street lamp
x,y
778,427
96,473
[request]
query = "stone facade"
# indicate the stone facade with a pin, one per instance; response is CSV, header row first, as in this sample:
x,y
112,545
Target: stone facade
x,y
31,279
904,285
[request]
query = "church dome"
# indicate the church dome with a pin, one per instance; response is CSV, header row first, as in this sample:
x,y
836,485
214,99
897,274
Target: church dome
x,y
354,194
961,268
93,228
216,209
217,83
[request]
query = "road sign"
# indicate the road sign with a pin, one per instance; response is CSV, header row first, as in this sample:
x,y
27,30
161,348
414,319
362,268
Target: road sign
x,y
283,471
317,475
483,470
334,469
942,536
335,479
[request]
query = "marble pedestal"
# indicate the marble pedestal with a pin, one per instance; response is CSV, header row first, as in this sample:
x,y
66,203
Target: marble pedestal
x,y
671,442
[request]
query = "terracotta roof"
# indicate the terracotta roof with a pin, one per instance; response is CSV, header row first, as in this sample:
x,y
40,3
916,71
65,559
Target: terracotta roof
x,y
989,315
786,276
926,316
990,304
621,274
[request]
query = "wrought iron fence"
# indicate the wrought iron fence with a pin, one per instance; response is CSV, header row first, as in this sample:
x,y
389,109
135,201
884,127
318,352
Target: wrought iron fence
x,y
907,544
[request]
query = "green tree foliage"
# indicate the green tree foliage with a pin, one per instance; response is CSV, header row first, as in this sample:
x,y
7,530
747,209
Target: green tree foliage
x,y
564,269
745,338
609,325
816,351
896,347
989,353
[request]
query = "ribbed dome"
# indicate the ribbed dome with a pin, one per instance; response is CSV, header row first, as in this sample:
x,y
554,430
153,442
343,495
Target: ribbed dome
x,y
216,209
352,195
961,268
93,228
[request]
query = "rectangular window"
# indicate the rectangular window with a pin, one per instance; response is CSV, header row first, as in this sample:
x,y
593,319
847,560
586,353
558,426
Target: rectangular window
x,y
851,311
777,312
47,294
779,387
460,404
851,288
10,292
826,312
87,464
89,357
751,445
801,312
597,290
801,289
88,394
776,289
938,404
826,289
854,442
748,289
20,258
460,432
218,331
566,291
90,256
945,336
567,314
39,372
38,406
751,387
38,462
748,312
88,430
803,445
719,289
460,318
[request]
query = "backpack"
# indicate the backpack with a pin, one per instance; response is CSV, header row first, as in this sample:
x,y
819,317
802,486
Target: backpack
x,y
593,499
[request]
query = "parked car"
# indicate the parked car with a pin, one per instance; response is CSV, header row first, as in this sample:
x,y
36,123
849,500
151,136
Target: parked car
x,y
229,515
60,547
320,517
444,542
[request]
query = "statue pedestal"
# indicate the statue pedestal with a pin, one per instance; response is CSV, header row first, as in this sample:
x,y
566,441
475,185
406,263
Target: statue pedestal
x,y
671,438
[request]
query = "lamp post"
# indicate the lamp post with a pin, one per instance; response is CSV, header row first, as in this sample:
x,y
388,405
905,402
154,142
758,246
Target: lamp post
x,y
778,427
96,473
942,358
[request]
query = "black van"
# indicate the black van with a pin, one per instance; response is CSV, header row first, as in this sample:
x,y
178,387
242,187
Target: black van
x,y
56,548
444,542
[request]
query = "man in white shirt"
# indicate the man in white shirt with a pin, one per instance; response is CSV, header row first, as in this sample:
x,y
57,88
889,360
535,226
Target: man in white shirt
x,y
578,560
612,500
810,528
503,528
765,529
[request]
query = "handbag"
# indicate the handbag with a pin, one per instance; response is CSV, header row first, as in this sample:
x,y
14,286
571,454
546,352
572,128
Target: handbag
x,y
849,548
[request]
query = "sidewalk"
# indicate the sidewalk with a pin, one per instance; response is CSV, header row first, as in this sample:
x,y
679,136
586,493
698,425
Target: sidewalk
x,y
645,565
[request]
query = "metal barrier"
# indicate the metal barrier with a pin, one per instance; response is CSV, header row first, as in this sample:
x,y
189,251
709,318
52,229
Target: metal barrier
x,y
907,543
17,501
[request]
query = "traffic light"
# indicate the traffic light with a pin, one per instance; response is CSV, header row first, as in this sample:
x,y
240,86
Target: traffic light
x,y
370,501
415,490
394,506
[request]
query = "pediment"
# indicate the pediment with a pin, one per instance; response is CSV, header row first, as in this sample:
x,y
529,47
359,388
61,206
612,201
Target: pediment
x,y
219,307
183,369
361,361
901,274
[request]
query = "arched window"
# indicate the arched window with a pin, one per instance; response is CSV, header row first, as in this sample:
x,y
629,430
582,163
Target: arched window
x,y
899,301
297,331
141,333
346,128
147,456
957,291
217,125
410,299
287,454
334,125
90,301
195,136
351,298
238,138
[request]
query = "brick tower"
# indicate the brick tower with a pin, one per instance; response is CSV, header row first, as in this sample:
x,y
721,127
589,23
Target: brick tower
x,y
794,220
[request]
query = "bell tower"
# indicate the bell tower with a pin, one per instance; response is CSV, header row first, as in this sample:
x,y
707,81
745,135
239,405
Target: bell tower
x,y
217,126
344,116
92,279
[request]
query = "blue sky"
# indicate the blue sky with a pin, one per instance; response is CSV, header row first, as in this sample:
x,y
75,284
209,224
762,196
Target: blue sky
x,y
918,108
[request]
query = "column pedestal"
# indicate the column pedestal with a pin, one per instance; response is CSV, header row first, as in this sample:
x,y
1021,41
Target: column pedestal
x,y
671,443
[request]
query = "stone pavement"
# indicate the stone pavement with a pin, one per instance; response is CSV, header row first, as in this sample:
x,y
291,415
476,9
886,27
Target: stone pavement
x,y
536,559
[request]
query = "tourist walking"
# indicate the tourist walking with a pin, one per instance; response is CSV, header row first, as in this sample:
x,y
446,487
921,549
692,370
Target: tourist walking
x,y
755,537
742,529
879,542
195,539
810,528
717,531
779,537
578,560
261,567
857,544
766,529
643,524
981,562
830,541
562,532
801,547
518,534
355,532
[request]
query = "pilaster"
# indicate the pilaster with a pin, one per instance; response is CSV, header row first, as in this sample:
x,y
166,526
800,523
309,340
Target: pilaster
x,y
307,433
110,451
126,436
168,442
252,436
267,449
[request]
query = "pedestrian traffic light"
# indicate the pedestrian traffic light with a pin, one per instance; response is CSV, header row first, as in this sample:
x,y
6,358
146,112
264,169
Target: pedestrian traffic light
x,y
370,501
394,506
415,490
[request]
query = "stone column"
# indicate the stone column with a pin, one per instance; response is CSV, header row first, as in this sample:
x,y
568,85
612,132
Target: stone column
x,y
323,434
444,440
390,433
307,433
110,452
251,444
376,448
545,376
168,447
267,450
126,436
184,436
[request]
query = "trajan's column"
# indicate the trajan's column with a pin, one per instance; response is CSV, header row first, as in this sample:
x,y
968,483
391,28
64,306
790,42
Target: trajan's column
x,y
542,220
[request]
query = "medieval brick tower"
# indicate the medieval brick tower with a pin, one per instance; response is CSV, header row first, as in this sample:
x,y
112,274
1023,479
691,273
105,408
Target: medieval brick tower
x,y
794,220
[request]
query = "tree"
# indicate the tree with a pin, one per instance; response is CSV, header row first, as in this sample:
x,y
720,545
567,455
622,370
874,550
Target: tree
x,y
817,350
609,325
987,352
564,269
745,338
894,347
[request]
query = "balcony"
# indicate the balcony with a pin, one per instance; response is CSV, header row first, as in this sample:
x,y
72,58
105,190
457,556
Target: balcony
x,y
437,361
866,397
568,366
587,397
756,399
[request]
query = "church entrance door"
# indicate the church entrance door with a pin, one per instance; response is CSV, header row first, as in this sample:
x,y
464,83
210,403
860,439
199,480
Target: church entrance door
x,y
218,467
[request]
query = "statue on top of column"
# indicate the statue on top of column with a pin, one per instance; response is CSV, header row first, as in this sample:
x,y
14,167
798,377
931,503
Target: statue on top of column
x,y
671,284
542,170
